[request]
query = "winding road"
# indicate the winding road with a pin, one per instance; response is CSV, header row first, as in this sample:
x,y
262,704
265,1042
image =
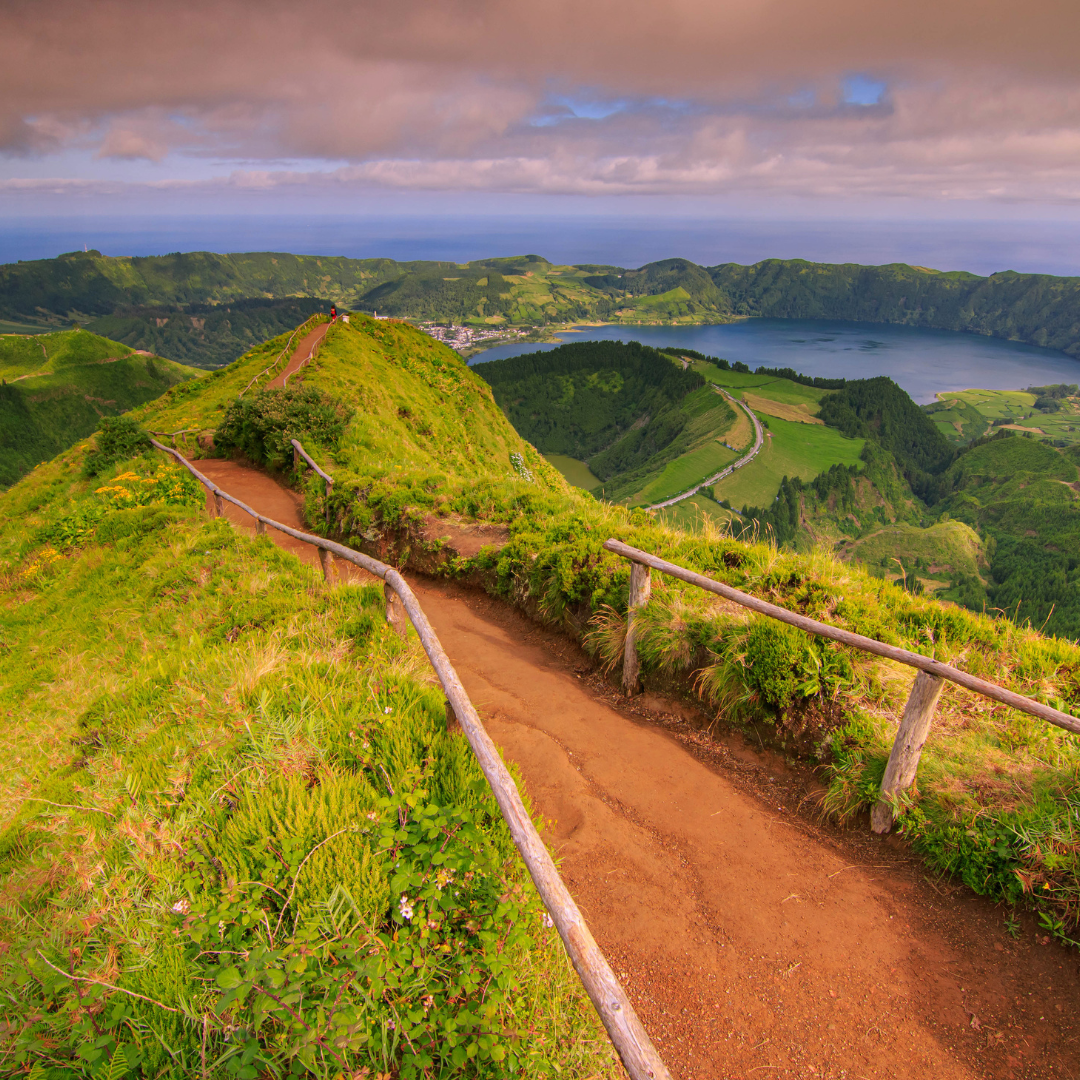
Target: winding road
x,y
759,440
753,939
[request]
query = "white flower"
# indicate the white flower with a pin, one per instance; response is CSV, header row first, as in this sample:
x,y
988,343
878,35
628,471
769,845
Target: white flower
x,y
372,816
387,711
549,922
406,908
181,907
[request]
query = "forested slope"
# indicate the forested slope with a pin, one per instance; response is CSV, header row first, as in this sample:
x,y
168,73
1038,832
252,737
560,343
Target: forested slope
x,y
625,408
1037,308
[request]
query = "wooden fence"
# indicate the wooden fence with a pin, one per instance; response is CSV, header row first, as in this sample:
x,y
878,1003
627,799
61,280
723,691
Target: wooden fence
x,y
284,352
613,1006
918,712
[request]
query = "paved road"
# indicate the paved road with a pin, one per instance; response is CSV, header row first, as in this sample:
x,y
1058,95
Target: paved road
x,y
759,439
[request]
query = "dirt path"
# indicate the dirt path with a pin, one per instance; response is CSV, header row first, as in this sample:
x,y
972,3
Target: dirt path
x,y
300,354
754,941
263,493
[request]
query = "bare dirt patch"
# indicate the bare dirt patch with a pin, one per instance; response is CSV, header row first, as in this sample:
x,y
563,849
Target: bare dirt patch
x,y
463,537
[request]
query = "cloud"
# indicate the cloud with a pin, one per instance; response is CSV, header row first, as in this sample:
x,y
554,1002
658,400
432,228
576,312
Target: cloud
x,y
910,99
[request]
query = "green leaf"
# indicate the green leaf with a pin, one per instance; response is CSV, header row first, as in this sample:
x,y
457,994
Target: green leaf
x,y
229,978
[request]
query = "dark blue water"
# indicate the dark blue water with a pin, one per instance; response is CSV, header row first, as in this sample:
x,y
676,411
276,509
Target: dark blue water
x,y
923,362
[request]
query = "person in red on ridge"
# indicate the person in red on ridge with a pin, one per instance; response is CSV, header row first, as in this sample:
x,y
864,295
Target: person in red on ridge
x,y
333,312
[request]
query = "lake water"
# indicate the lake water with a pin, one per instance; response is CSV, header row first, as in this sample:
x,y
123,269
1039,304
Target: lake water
x,y
923,362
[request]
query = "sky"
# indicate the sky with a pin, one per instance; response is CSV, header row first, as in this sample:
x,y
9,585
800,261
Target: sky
x,y
849,128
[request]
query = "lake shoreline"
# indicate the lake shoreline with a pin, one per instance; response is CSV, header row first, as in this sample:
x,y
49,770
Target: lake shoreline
x,y
924,362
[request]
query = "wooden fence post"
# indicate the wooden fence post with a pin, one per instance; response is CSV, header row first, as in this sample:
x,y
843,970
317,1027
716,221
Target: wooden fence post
x,y
211,503
453,727
395,611
295,460
260,527
326,500
219,506
640,590
904,759
327,561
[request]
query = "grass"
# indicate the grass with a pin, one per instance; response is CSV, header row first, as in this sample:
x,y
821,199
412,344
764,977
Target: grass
x,y
685,471
968,414
794,449
576,472
738,383
799,414
188,710
70,383
939,555
698,514
209,754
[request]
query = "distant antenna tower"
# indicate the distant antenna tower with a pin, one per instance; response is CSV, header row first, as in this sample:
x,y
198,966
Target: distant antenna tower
x,y
84,245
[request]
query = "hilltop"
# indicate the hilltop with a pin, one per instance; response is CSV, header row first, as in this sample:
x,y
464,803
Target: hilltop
x,y
205,308
57,387
244,774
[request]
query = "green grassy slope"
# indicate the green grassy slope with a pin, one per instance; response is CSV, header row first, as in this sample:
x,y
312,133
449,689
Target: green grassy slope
x,y
971,414
1021,494
247,778
791,449
648,428
206,335
61,385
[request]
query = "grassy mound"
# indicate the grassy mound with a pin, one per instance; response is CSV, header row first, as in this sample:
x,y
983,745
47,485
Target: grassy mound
x,y
58,386
235,838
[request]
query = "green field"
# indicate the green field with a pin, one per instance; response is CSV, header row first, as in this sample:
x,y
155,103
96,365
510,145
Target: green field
x,y
576,472
684,472
794,449
782,390
699,514
59,386
968,414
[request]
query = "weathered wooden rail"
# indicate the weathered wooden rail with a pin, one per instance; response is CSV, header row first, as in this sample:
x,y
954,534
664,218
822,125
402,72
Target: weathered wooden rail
x,y
919,710
300,454
625,1029
284,352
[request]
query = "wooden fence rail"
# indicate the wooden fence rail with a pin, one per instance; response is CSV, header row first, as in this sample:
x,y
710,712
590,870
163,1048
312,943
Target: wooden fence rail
x,y
300,454
312,353
919,710
277,359
613,1006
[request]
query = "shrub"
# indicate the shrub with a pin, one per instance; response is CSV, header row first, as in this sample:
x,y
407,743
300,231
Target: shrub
x,y
118,439
261,426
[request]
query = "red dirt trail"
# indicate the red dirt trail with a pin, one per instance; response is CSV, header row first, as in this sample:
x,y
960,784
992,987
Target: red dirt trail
x,y
300,354
753,940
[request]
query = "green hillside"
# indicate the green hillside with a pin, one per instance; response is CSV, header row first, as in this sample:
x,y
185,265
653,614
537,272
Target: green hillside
x,y
205,335
1037,308
150,302
56,387
646,427
225,783
1050,412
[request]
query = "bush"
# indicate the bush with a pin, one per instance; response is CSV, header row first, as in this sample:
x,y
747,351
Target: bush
x,y
262,425
118,439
